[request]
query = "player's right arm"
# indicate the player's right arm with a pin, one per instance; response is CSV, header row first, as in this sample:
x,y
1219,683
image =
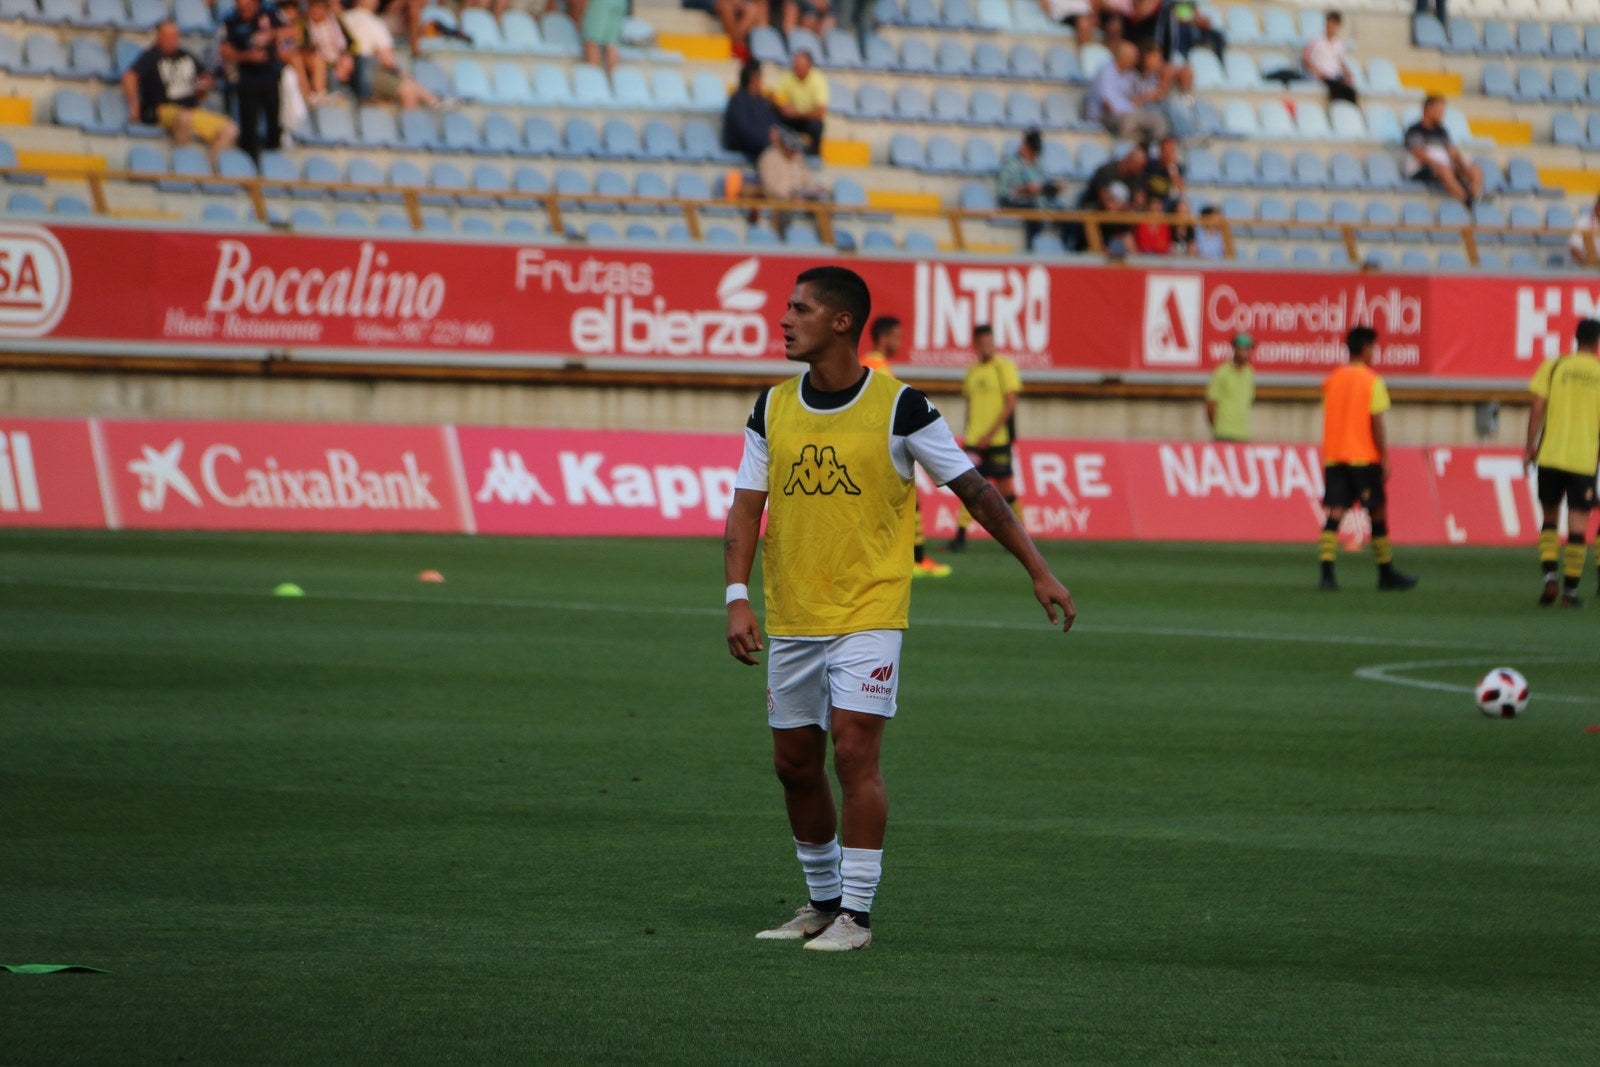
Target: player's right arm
x,y
739,540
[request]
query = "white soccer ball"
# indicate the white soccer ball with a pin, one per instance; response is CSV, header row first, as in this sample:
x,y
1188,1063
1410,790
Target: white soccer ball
x,y
1502,694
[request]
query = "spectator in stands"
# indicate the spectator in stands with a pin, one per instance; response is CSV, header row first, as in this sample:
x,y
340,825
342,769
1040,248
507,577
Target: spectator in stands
x,y
1430,157
1169,88
1208,243
1153,235
1116,101
1437,7
1140,19
814,15
1164,176
748,120
785,174
801,96
1588,225
602,31
251,40
328,49
1325,60
1078,15
1186,28
1111,188
378,74
410,19
738,18
1231,393
1021,183
164,87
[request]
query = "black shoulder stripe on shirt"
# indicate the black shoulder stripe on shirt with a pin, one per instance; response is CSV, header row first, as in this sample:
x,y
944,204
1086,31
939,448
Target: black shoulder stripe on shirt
x,y
758,415
913,412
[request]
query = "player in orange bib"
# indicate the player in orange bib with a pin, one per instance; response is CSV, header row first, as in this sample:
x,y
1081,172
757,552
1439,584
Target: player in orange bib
x,y
1355,455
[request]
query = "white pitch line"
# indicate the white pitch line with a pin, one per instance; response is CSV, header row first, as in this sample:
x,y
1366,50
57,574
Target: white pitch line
x,y
1385,672
649,609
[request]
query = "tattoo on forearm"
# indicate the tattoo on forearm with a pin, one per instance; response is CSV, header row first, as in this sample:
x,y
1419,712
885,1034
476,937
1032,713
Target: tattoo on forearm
x,y
983,500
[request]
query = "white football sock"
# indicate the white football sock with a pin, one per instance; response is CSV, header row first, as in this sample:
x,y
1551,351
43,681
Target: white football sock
x,y
821,864
862,868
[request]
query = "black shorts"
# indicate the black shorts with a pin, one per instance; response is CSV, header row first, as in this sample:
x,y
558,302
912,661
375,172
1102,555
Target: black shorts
x,y
992,462
1347,485
1556,485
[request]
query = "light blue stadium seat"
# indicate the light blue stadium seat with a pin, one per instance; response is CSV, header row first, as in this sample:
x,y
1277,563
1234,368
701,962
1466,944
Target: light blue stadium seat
x,y
364,171
591,87
432,77
1383,172
1310,170
1523,178
21,203
1566,86
1428,32
609,182
437,223
375,127
1565,43
1382,124
193,17
1414,259
977,196
1307,210
1241,26
911,104
959,15
708,92
1533,84
700,142
687,185
1558,219
873,102
620,140
1060,111
88,58
919,243
540,137
1593,131
1270,210
518,227
72,108
985,109
1491,262
1208,73
404,174
1270,256
550,87
630,89
529,179
480,25
1276,124
1464,37
560,35
916,57
943,155
579,138
879,54
42,54
877,240
1345,171
802,234
1278,27
677,233
1310,27
72,206
1091,57
1497,39
500,135
761,236
1489,216
649,183
1414,213
313,168
1238,167
1239,120
1049,244
1022,110
142,159
10,53
1342,211
1591,41
469,82
989,61
1056,160
460,133
1203,167
951,60
144,15
488,182
334,125
235,166
1381,217
477,226
1060,64
642,232
1382,77
949,105
570,181
1241,71
906,151
766,46
1273,169
1497,81
660,142
1532,40
419,131
841,49
1311,123
919,14
448,181
720,235
995,15
1451,213
520,32
308,218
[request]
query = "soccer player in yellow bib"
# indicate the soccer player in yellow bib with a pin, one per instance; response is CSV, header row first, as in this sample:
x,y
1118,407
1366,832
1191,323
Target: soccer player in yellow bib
x,y
1564,440
829,456
991,388
886,334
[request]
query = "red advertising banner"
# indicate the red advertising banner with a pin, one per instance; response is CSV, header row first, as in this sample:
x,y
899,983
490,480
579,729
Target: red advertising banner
x,y
70,284
1487,496
582,482
47,474
282,476
1070,489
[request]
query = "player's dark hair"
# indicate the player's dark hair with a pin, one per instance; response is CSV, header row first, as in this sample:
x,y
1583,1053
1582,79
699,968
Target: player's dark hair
x,y
1336,18
983,329
882,326
1360,339
1587,333
841,290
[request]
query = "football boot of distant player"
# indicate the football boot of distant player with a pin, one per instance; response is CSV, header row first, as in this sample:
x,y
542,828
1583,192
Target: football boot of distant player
x,y
1571,600
1551,590
1393,580
807,922
930,568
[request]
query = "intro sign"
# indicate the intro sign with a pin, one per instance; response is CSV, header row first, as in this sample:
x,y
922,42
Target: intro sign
x,y
381,296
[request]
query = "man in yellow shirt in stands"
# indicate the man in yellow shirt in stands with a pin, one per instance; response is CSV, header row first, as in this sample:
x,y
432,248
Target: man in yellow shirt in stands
x,y
1231,392
801,96
885,333
991,389
1564,440
1355,452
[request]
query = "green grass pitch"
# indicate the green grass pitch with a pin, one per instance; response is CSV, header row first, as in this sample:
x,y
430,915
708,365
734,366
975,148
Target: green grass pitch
x,y
527,816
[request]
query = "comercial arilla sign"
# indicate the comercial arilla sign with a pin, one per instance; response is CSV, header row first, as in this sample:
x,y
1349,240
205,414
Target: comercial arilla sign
x,y
380,297
347,477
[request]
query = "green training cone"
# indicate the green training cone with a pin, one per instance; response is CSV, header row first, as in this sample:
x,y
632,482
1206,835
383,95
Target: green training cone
x,y
288,589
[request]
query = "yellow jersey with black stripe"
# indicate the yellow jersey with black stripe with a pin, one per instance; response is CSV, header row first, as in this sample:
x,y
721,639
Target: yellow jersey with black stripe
x,y
1570,387
840,518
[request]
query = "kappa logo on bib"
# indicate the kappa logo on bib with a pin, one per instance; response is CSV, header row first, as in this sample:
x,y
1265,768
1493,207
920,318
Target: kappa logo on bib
x,y
819,471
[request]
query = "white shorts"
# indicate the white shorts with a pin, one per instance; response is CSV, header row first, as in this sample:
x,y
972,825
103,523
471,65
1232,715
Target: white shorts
x,y
807,679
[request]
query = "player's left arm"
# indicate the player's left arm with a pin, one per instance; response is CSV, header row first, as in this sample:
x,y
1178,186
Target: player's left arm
x,y
984,503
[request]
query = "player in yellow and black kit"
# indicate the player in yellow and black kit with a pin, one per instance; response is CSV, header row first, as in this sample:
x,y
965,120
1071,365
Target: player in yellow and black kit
x,y
991,388
1564,440
886,334
829,455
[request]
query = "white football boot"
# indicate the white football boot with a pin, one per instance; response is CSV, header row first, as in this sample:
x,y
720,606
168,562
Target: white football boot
x,y
842,935
807,922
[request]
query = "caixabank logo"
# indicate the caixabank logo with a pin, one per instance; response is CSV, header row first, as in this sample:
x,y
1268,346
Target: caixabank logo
x,y
35,281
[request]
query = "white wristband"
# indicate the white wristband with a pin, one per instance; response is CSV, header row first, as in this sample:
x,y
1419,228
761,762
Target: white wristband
x,y
737,591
